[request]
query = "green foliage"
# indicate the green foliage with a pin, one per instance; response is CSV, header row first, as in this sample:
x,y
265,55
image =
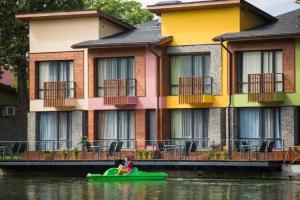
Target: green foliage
x,y
130,11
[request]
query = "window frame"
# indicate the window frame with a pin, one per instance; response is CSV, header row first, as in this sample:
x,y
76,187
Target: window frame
x,y
193,55
240,67
97,87
37,65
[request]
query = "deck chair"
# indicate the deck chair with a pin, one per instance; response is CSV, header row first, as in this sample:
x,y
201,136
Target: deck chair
x,y
237,146
193,148
160,148
186,149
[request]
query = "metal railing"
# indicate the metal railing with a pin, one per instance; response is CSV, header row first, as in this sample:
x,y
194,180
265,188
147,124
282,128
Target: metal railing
x,y
249,149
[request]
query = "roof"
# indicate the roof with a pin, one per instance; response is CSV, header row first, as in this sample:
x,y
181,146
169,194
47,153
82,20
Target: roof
x,y
287,25
204,4
146,33
7,88
72,14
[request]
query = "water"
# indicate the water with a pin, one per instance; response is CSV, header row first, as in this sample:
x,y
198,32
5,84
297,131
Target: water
x,y
44,188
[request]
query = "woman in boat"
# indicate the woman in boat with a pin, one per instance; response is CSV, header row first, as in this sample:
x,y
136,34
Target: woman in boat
x,y
125,169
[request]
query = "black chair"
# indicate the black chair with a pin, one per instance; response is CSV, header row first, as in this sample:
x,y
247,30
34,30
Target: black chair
x,y
111,149
186,148
15,149
119,148
160,148
270,148
262,149
244,146
237,146
193,148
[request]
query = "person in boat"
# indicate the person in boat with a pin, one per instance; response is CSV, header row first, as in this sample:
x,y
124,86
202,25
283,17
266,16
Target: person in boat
x,y
126,168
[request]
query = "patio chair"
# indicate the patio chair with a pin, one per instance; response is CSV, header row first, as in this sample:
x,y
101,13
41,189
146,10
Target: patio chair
x,y
270,148
111,149
118,148
193,148
237,146
160,148
15,149
262,149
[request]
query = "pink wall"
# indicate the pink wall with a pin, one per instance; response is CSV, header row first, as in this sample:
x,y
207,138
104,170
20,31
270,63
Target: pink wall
x,y
147,102
7,78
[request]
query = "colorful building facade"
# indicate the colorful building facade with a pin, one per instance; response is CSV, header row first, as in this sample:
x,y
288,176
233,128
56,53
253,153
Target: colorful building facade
x,y
162,80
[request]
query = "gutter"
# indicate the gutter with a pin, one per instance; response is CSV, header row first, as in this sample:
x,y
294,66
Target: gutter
x,y
229,111
157,89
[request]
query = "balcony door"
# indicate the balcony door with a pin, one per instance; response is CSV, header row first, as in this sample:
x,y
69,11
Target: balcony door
x,y
188,66
259,62
114,69
56,71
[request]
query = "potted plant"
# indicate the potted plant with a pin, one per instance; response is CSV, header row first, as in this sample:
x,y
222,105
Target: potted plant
x,y
64,153
52,154
47,155
75,153
145,155
210,155
150,155
139,155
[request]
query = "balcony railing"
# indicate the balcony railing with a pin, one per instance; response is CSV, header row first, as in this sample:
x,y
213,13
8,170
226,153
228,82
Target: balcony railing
x,y
192,89
59,94
263,87
255,149
118,91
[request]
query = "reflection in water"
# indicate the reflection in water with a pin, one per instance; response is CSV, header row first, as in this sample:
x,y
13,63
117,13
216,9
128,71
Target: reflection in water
x,y
46,188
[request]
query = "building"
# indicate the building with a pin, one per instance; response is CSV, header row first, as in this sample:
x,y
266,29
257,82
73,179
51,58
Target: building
x,y
96,76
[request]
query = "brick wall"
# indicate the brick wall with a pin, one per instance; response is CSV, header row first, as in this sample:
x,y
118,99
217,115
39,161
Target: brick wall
x,y
140,128
76,56
91,125
139,55
286,45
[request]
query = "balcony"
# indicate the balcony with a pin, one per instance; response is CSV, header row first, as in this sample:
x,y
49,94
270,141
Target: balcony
x,y
195,90
265,88
59,94
120,92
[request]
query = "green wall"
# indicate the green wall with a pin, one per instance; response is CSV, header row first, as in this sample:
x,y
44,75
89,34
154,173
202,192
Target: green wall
x,y
291,99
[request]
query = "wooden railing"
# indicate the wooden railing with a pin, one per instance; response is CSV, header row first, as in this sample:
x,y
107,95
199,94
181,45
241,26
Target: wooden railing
x,y
192,89
56,93
262,87
116,91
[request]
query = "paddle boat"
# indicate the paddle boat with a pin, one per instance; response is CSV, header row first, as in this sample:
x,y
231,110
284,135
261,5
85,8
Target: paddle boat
x,y
134,175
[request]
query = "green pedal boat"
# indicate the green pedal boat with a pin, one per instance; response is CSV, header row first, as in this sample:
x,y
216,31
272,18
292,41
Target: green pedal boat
x,y
135,175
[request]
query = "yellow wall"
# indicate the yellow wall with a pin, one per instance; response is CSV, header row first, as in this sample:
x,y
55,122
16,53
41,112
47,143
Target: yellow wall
x,y
199,26
249,20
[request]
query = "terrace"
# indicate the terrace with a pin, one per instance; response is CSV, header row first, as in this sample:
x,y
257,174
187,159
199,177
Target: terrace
x,y
187,152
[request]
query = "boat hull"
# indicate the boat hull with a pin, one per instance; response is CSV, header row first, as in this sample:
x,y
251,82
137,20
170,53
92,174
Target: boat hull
x,y
135,175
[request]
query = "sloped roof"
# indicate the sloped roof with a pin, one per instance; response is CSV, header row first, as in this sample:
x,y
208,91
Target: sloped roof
x,y
146,33
287,25
72,14
176,5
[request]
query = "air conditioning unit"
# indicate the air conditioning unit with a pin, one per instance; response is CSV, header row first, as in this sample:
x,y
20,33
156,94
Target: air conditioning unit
x,y
9,111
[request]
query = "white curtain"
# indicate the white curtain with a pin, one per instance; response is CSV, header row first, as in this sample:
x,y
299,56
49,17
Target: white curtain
x,y
56,71
115,68
54,130
188,123
251,65
188,65
117,125
249,126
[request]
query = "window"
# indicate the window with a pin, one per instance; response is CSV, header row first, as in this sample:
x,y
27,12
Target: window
x,y
9,111
54,71
190,124
151,127
260,123
258,62
115,68
188,66
54,130
116,125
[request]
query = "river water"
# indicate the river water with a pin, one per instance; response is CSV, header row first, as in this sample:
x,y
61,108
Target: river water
x,y
44,188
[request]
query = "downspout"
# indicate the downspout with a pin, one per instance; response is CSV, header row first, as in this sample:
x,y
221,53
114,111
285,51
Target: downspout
x,y
230,136
157,90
